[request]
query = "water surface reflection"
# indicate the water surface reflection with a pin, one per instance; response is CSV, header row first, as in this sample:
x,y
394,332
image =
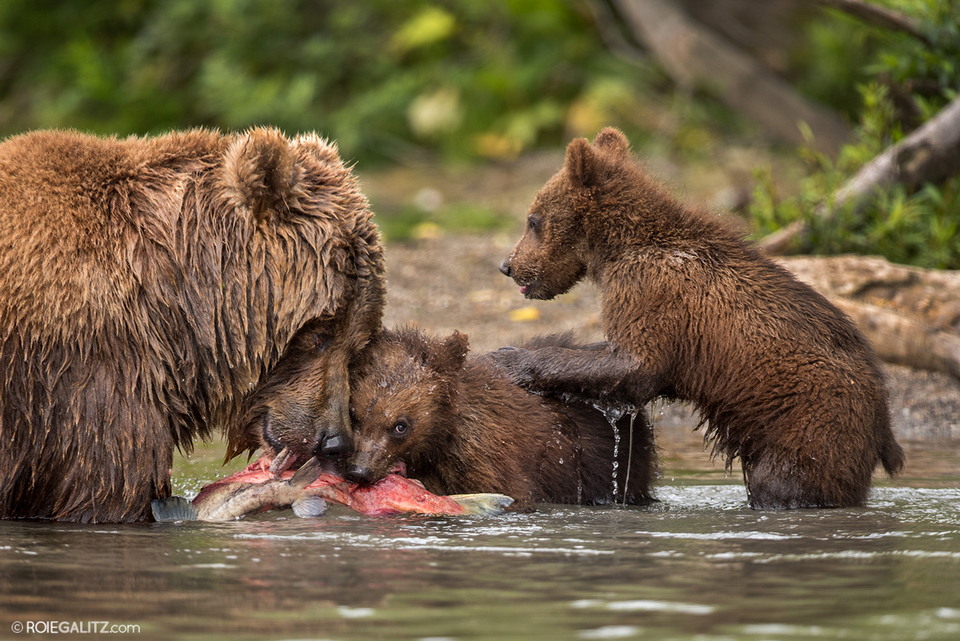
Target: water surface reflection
x,y
699,564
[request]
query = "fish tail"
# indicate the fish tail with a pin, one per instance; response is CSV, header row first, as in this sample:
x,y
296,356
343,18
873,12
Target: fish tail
x,y
175,508
307,474
483,504
309,505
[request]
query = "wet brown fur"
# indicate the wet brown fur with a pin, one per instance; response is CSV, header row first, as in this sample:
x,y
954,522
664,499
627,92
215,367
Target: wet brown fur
x,y
146,285
469,428
783,379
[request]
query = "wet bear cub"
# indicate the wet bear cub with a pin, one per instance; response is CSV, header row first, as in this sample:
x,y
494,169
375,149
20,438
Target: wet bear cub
x,y
784,379
461,425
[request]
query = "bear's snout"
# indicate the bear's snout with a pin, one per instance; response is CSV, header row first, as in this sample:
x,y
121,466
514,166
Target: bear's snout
x,y
505,268
335,446
359,474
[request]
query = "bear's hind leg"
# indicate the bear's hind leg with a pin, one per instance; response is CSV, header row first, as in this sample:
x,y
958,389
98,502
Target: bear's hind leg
x,y
778,482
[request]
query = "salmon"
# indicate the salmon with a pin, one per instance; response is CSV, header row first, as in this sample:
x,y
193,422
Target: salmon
x,y
230,499
257,488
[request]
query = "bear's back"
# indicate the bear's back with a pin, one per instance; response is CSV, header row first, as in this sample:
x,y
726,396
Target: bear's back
x,y
57,175
72,208
544,449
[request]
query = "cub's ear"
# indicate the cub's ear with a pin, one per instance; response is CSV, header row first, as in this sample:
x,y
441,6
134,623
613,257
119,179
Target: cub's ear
x,y
582,163
259,173
613,141
448,355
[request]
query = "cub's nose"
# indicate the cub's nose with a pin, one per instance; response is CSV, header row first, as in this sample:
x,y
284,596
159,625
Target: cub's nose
x,y
505,268
359,474
335,446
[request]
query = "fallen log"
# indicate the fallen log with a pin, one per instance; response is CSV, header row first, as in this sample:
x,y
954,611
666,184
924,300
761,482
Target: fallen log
x,y
910,315
879,17
906,341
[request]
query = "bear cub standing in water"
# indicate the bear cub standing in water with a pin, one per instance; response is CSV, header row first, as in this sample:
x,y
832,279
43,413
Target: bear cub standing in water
x,y
461,425
783,379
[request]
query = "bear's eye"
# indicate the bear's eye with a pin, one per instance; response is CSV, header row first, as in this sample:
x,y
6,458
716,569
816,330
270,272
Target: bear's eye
x,y
533,223
400,429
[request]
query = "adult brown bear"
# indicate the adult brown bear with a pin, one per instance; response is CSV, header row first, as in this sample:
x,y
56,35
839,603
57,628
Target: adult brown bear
x,y
784,379
147,284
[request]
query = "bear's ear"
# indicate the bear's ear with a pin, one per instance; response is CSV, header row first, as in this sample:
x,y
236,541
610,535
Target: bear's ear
x,y
448,355
259,173
613,141
323,150
581,163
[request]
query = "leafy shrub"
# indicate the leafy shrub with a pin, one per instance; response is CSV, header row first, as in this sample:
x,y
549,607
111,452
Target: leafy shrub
x,y
909,81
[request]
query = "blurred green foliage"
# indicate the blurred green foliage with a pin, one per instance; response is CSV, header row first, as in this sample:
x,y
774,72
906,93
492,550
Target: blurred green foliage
x,y
402,81
899,82
412,222
384,78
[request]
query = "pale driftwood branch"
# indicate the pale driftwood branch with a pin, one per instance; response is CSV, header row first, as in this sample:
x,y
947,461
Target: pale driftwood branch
x,y
607,26
879,17
903,340
910,315
780,241
694,56
931,153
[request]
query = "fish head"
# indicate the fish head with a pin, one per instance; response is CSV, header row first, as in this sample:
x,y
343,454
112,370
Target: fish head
x,y
401,392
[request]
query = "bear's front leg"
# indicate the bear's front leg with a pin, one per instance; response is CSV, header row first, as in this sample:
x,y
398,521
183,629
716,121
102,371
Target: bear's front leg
x,y
592,374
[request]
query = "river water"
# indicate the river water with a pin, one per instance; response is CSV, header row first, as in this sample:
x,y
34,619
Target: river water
x,y
697,565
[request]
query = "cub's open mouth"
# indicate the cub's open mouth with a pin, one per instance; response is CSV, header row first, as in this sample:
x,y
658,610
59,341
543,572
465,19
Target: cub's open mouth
x,y
529,289
535,291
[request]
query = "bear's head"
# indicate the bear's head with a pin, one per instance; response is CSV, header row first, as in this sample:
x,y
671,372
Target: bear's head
x,y
400,400
301,409
312,286
551,256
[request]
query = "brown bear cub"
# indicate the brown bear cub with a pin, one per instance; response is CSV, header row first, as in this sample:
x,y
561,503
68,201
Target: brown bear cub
x,y
783,379
146,287
461,425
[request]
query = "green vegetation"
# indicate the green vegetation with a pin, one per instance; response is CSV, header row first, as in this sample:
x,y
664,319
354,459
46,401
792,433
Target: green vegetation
x,y
900,82
412,222
386,79
460,82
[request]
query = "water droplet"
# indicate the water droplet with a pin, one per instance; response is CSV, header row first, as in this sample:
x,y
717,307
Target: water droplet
x,y
613,412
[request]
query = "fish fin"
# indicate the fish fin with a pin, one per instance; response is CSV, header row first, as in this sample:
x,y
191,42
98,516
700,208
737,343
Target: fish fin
x,y
175,508
309,505
307,474
483,504
281,462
